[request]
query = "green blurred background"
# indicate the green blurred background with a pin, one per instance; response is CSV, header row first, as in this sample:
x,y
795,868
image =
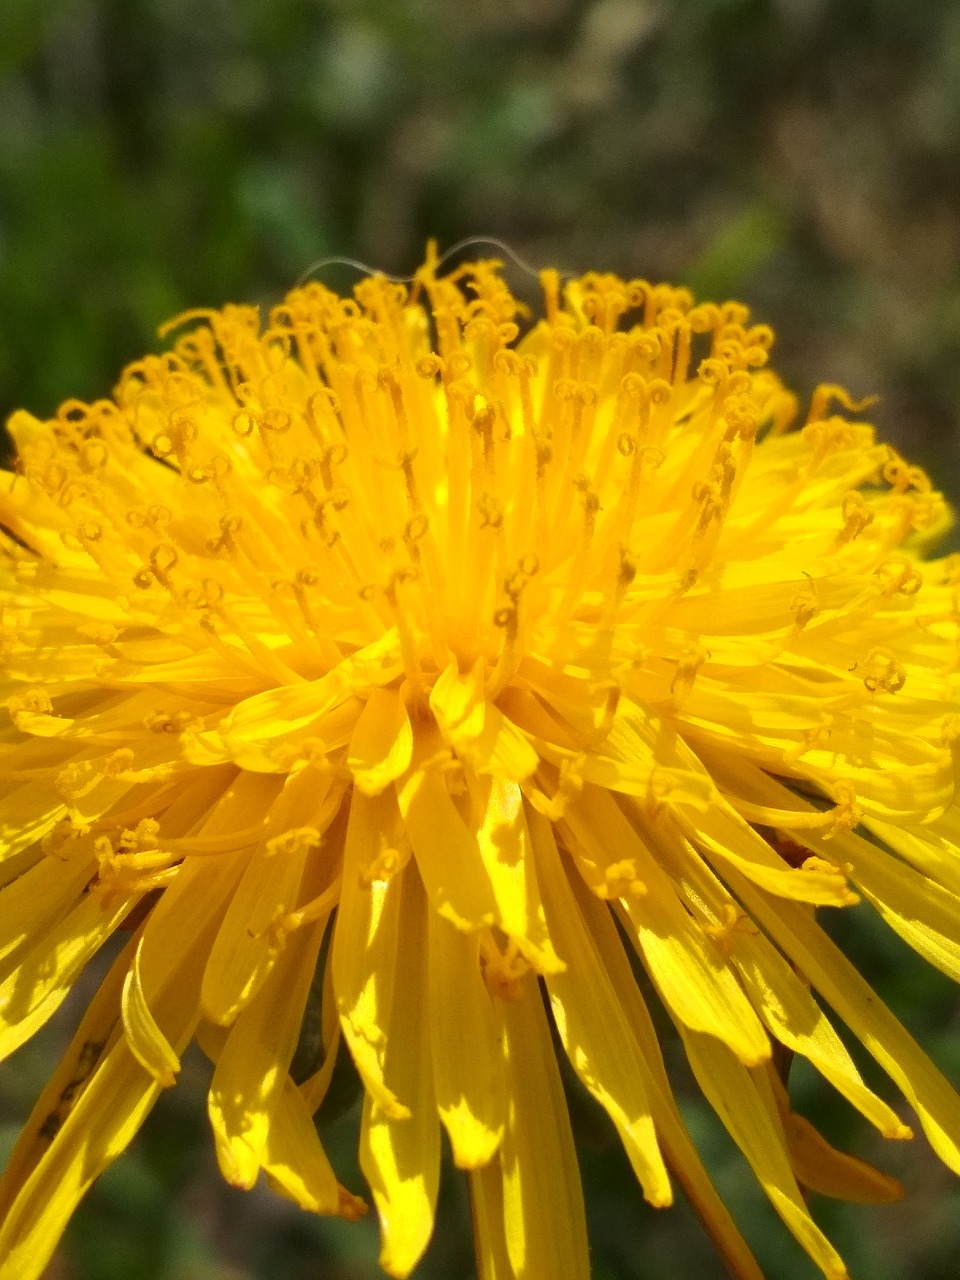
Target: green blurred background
x,y
803,155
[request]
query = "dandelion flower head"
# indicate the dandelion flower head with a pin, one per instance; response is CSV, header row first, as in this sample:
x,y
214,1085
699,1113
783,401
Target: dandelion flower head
x,y
502,674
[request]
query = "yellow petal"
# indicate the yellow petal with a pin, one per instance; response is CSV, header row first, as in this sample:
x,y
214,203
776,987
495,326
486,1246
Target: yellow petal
x,y
781,999
147,1042
69,1079
453,871
480,734
382,742
824,1169
365,943
467,1057
719,827
925,915
725,833
37,899
44,976
247,944
249,734
695,981
504,843
543,1212
251,1071
730,837
95,1106
932,850
674,1139
743,1101
486,1200
592,1026
795,1018
26,815
834,1173
400,1158
296,1164
831,973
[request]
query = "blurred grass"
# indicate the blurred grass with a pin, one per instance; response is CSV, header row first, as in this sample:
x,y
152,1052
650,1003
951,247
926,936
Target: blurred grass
x,y
163,154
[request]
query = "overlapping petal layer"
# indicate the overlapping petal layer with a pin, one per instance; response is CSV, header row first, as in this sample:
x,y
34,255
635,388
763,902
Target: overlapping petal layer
x,y
469,673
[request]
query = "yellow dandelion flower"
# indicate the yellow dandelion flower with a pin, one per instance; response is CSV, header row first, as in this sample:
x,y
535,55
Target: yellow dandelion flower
x,y
480,669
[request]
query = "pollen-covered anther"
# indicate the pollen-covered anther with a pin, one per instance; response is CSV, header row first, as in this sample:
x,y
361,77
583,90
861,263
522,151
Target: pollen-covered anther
x,y
708,496
659,393
503,972
827,391
741,420
899,576
856,516
216,470
118,762
146,834
56,843
573,391
688,667
507,620
816,865
620,880
276,930
846,813
103,635
885,674
86,535
32,702
901,476
813,738
490,511
162,560
825,438
384,866
78,779
482,415
414,531
628,569
805,605
590,499
156,517
950,731
293,842
408,643
126,869
555,793
515,583
207,596
93,456
724,933
434,366
283,924
713,371
926,511
225,544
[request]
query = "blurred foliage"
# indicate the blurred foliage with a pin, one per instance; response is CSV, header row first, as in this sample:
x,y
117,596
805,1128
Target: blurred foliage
x,y
163,154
